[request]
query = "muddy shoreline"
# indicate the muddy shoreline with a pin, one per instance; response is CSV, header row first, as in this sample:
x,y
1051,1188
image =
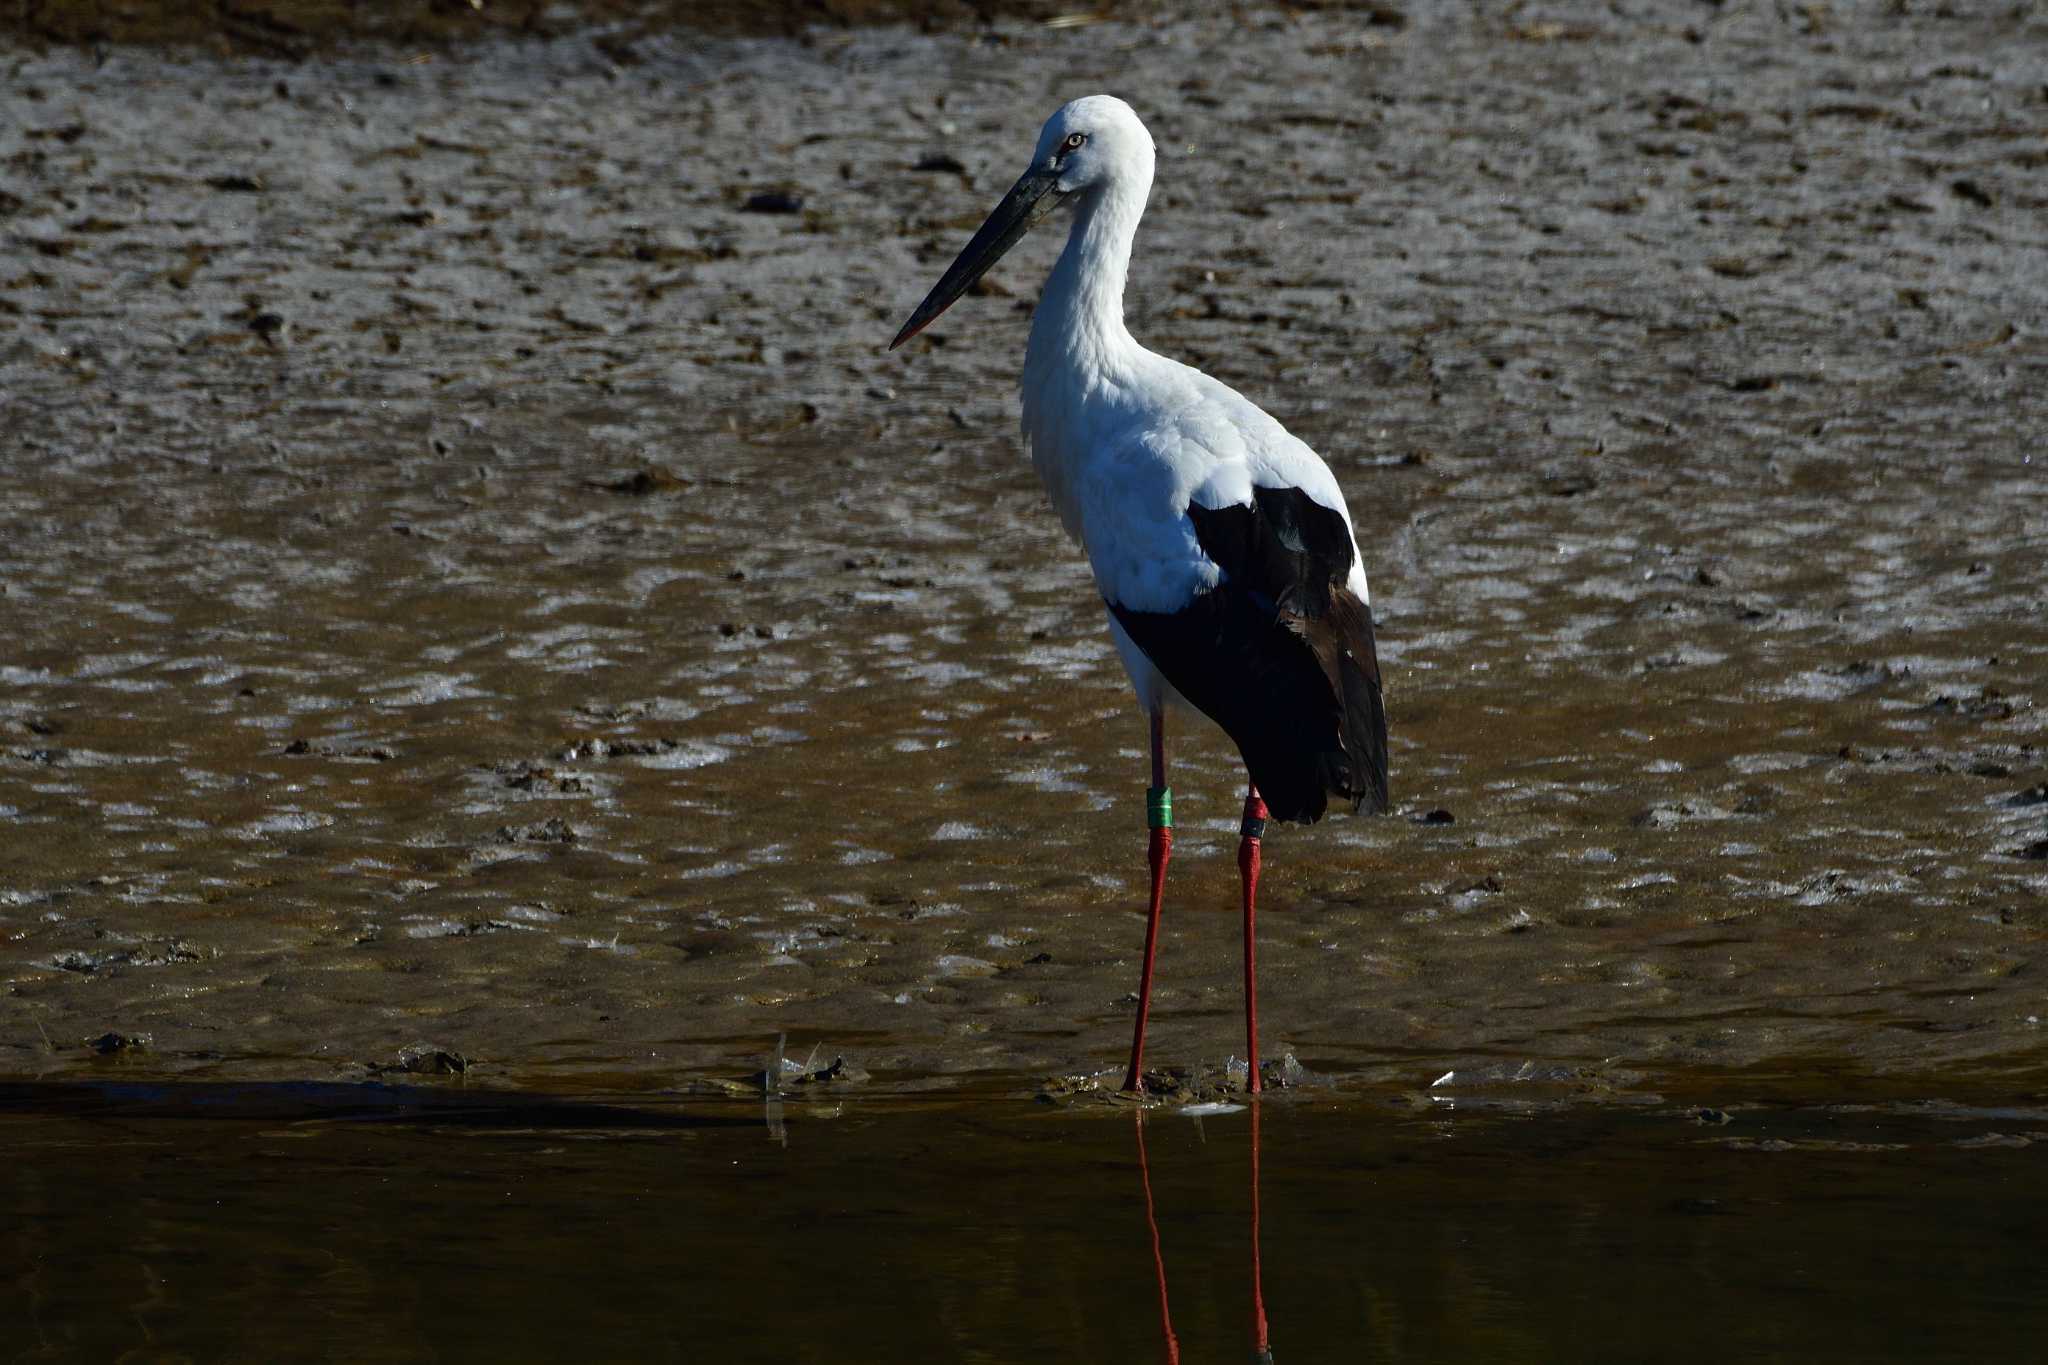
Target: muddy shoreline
x,y
476,586
298,30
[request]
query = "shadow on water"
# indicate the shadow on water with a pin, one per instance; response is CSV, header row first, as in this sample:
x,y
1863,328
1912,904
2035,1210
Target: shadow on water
x,y
400,1223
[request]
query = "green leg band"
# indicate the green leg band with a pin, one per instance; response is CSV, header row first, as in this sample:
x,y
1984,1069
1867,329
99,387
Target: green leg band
x,y
1159,808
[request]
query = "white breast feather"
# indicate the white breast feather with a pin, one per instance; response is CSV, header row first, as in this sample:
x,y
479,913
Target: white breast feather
x,y
1123,461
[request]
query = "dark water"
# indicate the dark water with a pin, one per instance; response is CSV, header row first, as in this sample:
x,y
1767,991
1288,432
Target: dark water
x,y
383,1224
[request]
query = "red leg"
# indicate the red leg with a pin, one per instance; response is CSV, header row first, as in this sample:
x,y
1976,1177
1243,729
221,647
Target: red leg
x,y
1159,814
1253,830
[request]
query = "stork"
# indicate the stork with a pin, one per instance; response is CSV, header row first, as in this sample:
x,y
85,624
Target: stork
x,y
1220,543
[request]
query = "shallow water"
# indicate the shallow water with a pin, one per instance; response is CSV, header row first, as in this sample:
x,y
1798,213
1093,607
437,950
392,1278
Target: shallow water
x,y
388,1224
471,583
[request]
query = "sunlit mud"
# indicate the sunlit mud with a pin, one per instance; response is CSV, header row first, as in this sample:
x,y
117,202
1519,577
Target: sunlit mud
x,y
477,596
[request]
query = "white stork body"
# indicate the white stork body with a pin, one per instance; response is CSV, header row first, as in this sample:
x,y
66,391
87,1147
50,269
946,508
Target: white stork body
x,y
1221,544
1124,438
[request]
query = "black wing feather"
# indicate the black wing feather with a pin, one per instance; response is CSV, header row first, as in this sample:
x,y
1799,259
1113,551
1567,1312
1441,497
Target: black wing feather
x,y
1280,653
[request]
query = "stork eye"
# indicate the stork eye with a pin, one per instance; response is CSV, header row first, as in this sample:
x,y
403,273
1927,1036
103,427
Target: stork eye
x,y
1074,141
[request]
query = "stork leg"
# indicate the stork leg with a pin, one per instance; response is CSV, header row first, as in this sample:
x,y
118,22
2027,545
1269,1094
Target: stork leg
x,y
1159,815
1252,831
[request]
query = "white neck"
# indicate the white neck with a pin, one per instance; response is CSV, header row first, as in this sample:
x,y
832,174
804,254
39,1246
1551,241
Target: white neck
x,y
1081,315
1079,350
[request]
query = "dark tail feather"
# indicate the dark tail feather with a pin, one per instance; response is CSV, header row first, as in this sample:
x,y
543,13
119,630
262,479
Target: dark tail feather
x,y
1280,653
1350,761
1363,725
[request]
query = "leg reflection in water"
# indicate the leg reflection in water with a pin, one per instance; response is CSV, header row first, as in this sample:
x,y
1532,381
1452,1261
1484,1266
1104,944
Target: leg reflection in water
x,y
1262,1351
1172,1343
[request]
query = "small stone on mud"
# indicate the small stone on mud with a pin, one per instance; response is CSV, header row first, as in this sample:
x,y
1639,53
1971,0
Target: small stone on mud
x,y
525,778
1059,1089
773,201
109,1043
1286,1071
1173,1086
616,748
1438,816
1973,192
1706,1115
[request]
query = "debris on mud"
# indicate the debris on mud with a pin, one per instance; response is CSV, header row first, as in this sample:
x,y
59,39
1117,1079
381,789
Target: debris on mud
x,y
425,1059
1175,1086
1668,813
642,482
550,831
773,201
1537,1084
782,1072
839,1070
156,953
375,753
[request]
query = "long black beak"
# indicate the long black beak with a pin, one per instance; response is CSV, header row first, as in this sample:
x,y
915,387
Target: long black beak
x,y
1034,196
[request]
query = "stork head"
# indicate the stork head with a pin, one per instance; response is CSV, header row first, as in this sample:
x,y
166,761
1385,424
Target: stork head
x,y
1087,146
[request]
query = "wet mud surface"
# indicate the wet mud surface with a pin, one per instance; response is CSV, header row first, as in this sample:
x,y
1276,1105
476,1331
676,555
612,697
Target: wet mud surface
x,y
313,1222
479,600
